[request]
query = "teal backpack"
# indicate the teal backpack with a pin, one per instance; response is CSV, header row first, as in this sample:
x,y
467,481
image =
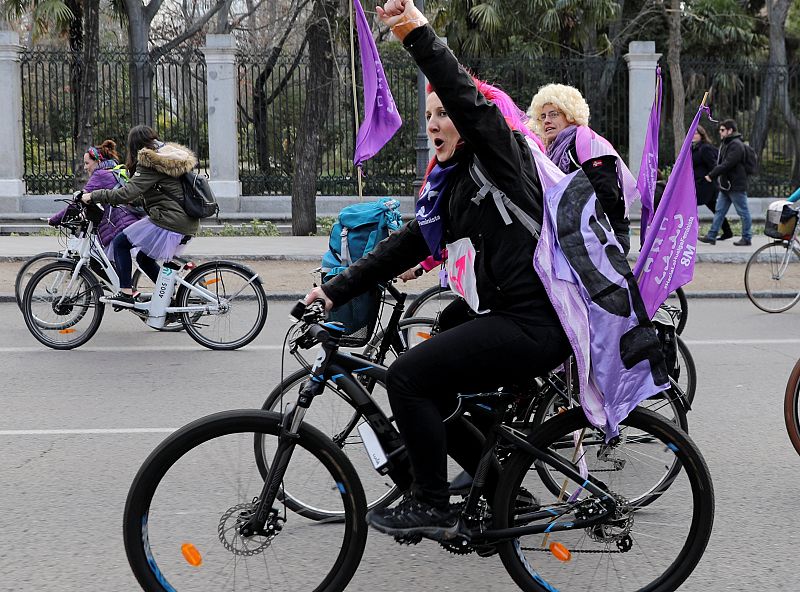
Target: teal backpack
x,y
358,228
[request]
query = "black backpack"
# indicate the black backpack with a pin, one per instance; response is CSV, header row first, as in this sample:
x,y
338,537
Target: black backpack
x,y
750,161
198,200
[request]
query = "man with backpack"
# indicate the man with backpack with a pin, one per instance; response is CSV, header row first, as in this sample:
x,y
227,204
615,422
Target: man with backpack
x,y
735,162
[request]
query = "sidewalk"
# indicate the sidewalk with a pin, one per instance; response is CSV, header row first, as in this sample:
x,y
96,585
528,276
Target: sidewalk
x,y
311,248
286,263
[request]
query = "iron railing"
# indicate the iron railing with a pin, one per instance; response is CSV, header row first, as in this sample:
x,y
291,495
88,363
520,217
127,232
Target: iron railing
x,y
177,109
270,104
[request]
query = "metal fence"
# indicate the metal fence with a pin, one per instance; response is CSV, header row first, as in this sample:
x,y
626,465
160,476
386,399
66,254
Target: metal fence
x,y
270,107
271,103
736,88
178,109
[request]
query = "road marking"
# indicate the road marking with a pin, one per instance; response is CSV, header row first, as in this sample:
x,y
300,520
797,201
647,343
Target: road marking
x,y
124,348
742,341
101,431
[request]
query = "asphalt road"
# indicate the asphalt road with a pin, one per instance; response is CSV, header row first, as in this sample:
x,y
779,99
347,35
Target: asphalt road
x,y
75,427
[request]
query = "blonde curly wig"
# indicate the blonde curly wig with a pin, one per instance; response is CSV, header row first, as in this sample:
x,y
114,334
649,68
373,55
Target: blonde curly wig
x,y
567,99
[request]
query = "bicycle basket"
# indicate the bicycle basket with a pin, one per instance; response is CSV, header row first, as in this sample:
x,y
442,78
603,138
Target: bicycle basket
x,y
780,220
359,317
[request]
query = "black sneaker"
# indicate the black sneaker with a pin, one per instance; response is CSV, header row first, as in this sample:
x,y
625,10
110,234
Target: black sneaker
x,y
743,242
412,516
708,240
121,300
725,236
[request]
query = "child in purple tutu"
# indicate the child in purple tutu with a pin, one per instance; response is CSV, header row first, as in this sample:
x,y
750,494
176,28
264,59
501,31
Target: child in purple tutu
x,y
154,168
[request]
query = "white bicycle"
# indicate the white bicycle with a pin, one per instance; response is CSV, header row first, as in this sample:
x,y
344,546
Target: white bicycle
x,y
221,304
73,242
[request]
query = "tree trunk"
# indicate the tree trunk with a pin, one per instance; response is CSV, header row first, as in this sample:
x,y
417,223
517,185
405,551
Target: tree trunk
x,y
675,74
319,89
777,11
88,85
76,64
141,71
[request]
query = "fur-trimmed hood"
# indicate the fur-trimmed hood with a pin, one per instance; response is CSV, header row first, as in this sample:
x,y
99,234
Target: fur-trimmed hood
x,y
170,158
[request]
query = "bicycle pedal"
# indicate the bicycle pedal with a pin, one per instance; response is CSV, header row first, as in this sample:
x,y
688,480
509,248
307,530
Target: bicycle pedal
x,y
408,539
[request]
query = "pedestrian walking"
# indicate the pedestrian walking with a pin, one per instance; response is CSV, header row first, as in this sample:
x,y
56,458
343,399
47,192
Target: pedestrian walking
x,y
704,159
730,175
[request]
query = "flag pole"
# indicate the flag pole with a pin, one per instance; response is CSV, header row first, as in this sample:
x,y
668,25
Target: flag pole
x,y
355,96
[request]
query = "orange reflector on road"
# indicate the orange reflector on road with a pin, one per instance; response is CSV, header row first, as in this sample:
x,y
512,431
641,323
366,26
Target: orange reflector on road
x,y
560,552
65,331
191,554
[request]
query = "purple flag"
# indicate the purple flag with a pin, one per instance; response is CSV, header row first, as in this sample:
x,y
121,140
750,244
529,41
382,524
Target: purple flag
x,y
648,170
669,251
381,119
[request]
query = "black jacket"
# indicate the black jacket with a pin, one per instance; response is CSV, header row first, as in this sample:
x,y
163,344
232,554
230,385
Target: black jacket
x,y
506,280
704,158
729,172
602,174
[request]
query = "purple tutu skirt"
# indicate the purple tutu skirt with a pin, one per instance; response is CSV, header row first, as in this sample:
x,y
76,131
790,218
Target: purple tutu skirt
x,y
154,241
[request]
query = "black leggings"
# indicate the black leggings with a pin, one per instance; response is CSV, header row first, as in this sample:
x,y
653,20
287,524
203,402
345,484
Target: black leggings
x,y
477,356
122,260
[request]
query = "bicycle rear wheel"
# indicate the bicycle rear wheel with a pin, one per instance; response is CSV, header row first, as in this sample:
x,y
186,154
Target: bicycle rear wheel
x,y
185,506
772,277
30,267
410,332
242,301
791,407
60,312
334,414
653,549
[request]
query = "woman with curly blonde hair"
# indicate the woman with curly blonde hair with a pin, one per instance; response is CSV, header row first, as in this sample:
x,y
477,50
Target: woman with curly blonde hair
x,y
560,116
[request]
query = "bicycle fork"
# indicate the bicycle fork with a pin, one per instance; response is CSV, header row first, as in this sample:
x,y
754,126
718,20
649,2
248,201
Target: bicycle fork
x,y
287,440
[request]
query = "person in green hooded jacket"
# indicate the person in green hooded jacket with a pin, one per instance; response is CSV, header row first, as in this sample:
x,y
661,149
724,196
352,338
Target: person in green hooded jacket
x,y
154,168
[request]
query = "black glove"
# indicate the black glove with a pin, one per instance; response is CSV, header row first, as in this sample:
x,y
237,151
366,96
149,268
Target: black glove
x,y
77,195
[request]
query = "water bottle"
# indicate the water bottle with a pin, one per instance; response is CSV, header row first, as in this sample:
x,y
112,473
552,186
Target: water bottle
x,y
162,295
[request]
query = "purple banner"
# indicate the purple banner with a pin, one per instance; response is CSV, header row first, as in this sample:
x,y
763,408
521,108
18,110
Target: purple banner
x,y
648,170
667,259
381,119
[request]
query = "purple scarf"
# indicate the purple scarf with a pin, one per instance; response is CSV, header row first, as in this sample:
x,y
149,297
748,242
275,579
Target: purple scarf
x,y
427,208
558,151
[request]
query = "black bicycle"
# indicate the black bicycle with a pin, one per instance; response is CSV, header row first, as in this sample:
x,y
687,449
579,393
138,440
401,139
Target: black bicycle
x,y
431,301
208,510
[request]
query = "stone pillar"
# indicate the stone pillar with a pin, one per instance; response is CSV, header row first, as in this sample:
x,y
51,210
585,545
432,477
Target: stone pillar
x,y
642,61
223,145
12,164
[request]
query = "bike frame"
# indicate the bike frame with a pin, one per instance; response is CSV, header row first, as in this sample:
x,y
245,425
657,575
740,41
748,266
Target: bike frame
x,y
342,368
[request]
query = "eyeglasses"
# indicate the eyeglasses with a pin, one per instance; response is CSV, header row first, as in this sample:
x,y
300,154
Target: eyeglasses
x,y
550,115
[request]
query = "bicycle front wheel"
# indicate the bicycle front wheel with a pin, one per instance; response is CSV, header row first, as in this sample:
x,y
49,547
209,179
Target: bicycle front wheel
x,y
772,277
333,413
653,549
30,267
430,302
189,499
241,300
683,304
687,371
60,311
791,407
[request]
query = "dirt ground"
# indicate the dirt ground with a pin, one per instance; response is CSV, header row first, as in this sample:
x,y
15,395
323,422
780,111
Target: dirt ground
x,y
297,277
